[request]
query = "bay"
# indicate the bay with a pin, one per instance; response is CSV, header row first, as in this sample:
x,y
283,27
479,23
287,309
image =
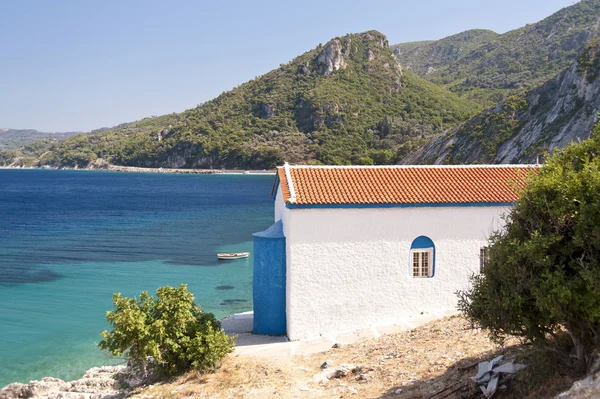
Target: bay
x,y
70,239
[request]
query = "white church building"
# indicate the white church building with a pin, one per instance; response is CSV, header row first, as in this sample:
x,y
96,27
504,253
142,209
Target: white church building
x,y
360,246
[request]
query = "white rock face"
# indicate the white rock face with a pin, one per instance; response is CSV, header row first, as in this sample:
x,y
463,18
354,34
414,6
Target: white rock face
x,y
108,382
371,55
331,58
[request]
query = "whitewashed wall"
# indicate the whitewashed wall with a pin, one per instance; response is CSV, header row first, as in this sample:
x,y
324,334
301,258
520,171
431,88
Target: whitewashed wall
x,y
348,269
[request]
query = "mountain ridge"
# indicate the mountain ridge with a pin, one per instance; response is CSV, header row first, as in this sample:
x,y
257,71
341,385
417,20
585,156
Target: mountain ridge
x,y
519,59
11,139
348,101
351,102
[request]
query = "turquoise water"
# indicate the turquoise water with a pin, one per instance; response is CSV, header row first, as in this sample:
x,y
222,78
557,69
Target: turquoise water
x,y
69,239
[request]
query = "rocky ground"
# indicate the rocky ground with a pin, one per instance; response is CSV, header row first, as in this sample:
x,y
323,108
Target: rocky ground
x,y
108,382
434,361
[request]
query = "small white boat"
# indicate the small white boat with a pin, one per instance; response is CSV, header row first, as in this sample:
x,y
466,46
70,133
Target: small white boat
x,y
233,255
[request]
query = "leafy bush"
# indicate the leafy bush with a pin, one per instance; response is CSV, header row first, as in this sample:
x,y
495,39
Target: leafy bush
x,y
543,273
170,329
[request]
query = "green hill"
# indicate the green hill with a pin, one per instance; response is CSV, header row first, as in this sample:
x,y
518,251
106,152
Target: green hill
x,y
346,102
487,68
427,57
11,139
524,127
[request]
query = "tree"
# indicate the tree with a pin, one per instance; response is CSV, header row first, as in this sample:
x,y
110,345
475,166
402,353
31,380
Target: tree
x,y
169,329
543,272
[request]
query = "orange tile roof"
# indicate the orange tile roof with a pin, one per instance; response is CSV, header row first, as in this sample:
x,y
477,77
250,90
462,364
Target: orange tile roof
x,y
342,185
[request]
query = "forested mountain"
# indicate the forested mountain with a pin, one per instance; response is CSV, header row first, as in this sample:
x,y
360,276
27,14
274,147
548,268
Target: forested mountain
x,y
11,139
348,101
351,101
523,127
426,57
486,67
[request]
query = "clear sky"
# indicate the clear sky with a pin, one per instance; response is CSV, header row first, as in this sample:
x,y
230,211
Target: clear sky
x,y
80,65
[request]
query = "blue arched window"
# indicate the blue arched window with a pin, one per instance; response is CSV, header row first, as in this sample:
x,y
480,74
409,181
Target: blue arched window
x,y
422,257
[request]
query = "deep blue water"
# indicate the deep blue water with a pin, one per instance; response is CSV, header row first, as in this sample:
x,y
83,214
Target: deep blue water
x,y
70,239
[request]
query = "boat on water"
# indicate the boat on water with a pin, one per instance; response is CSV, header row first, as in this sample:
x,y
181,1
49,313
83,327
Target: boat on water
x,y
233,255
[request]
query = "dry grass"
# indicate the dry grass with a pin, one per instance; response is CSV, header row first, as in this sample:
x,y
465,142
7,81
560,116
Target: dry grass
x,y
433,361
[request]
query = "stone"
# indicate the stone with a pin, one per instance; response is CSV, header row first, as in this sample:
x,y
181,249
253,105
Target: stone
x,y
109,382
326,364
341,371
588,388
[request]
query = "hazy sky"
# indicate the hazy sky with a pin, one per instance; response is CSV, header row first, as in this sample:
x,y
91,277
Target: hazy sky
x,y
81,65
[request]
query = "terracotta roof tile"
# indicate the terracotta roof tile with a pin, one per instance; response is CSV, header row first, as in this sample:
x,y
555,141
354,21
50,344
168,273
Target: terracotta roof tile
x,y
320,185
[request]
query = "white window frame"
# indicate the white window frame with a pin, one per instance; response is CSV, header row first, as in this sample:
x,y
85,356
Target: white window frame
x,y
421,274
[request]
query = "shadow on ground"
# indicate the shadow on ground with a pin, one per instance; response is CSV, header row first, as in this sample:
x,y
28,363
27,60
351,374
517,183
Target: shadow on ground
x,y
544,377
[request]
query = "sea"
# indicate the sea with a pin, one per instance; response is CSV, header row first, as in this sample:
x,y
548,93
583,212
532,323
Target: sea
x,y
70,239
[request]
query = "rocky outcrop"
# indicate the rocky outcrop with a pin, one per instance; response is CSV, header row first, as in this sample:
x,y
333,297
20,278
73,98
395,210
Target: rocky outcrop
x,y
331,58
265,111
108,382
336,53
522,128
164,133
371,55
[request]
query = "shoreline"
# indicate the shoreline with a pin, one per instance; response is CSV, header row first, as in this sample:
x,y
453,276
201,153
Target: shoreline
x,y
104,382
136,169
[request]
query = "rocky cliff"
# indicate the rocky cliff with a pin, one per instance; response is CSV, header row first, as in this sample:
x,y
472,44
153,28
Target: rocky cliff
x,y
522,128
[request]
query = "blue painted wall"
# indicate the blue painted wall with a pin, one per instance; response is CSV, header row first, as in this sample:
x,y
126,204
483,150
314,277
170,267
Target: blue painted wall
x,y
269,281
422,242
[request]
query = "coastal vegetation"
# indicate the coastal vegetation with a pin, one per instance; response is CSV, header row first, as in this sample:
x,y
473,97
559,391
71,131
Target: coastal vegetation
x,y
543,270
168,333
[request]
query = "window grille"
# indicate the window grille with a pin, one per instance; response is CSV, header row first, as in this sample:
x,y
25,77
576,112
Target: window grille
x,y
421,262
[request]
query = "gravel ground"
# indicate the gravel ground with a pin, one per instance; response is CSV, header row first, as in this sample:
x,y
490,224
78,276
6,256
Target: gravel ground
x,y
433,361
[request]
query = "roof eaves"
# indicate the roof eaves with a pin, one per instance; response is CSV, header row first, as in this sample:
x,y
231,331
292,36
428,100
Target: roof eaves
x,y
275,185
399,205
288,177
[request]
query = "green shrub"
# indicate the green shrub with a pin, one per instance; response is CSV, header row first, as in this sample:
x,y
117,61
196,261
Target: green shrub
x,y
543,273
170,329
